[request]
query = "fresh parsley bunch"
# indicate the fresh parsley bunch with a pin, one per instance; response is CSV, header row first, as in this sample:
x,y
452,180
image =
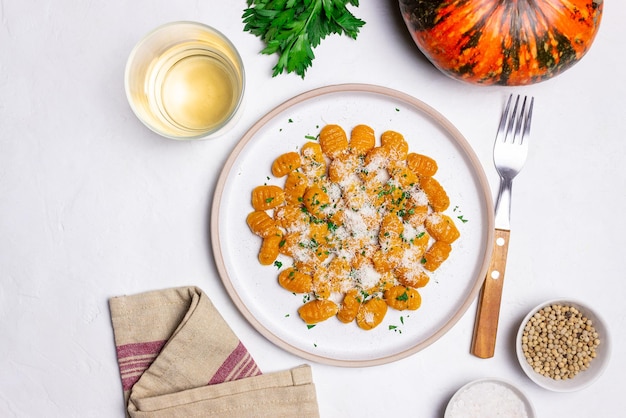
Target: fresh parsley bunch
x,y
292,28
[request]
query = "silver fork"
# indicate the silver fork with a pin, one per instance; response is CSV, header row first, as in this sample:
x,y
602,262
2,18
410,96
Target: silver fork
x,y
509,155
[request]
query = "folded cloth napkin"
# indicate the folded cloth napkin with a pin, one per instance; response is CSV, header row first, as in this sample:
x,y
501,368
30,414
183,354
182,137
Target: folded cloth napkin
x,y
178,357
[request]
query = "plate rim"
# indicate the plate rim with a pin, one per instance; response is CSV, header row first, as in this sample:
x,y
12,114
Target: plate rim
x,y
351,88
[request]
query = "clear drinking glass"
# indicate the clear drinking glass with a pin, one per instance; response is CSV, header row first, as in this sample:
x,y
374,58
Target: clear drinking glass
x,y
185,80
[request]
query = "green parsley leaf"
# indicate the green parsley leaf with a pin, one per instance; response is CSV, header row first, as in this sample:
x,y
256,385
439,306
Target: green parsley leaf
x,y
293,28
403,297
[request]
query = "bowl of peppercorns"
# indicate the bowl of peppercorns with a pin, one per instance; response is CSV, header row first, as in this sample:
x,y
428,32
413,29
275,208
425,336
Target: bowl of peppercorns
x,y
563,345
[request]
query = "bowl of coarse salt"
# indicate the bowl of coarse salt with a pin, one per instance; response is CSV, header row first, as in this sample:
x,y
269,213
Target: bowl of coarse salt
x,y
563,345
489,398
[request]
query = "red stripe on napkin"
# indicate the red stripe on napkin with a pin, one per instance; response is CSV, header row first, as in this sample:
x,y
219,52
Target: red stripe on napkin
x,y
237,365
135,358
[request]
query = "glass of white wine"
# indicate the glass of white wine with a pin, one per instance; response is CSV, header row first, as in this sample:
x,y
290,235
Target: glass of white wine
x,y
185,80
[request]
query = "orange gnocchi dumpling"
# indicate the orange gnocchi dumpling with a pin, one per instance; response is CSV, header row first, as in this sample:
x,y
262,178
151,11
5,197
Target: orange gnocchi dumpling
x,y
267,197
286,163
441,227
421,165
313,161
321,286
290,244
295,281
389,235
319,233
261,224
387,261
396,145
371,313
403,175
270,249
411,276
342,168
321,251
295,186
415,215
403,298
362,139
436,254
437,196
333,140
338,273
419,243
291,218
349,306
376,158
318,310
316,200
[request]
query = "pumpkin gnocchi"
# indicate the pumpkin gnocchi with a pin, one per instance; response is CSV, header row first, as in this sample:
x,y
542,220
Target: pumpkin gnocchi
x,y
363,225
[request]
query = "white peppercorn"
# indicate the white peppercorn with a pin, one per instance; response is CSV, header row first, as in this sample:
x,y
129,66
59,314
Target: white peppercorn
x,y
559,341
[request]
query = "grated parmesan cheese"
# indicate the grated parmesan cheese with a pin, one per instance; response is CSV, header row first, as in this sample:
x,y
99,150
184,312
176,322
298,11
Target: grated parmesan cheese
x,y
367,276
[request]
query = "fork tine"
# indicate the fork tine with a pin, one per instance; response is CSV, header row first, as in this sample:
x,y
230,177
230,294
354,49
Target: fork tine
x,y
513,128
518,120
522,125
528,118
502,128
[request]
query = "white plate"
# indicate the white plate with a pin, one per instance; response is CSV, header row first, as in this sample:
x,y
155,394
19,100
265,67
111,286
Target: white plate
x,y
273,310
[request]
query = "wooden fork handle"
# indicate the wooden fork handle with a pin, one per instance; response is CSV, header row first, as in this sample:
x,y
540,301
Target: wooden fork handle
x,y
488,312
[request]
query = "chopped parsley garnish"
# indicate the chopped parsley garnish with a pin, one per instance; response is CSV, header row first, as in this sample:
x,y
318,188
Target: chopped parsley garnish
x,y
293,28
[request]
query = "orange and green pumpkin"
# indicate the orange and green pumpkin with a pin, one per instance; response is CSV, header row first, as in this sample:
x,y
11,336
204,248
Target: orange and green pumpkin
x,y
503,42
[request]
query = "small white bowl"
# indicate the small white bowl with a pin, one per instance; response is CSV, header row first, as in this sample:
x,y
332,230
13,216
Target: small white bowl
x,y
489,398
583,378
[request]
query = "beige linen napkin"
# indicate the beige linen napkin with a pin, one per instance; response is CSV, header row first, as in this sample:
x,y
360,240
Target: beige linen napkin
x,y
178,357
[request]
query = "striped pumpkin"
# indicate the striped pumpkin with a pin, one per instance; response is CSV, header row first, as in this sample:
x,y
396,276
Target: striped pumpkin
x,y
503,42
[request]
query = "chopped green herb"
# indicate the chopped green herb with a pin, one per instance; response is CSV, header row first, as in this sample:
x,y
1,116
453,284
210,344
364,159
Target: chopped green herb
x,y
293,28
278,264
309,326
311,137
462,219
403,297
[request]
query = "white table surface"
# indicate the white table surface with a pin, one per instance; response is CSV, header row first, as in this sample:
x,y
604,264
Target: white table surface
x,y
94,205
